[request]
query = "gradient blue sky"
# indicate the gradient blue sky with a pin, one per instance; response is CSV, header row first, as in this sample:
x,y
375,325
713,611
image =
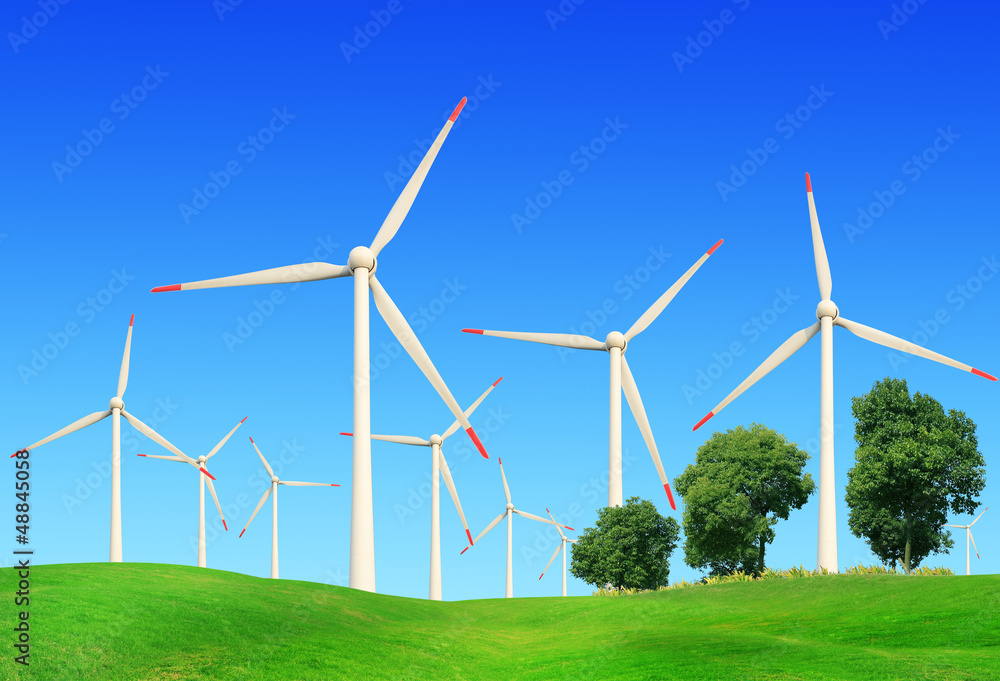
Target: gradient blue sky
x,y
325,182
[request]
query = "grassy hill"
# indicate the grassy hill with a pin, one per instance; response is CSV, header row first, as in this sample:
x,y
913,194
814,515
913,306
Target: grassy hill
x,y
137,621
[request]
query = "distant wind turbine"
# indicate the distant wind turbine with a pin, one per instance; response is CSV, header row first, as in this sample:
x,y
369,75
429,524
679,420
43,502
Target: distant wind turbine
x,y
562,545
968,538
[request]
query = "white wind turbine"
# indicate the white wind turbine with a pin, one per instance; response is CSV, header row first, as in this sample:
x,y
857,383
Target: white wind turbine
x,y
273,489
117,410
829,316
201,464
968,538
562,545
439,469
621,377
361,264
508,514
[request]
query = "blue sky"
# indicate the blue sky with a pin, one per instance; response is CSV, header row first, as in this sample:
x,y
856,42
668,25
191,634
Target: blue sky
x,y
296,131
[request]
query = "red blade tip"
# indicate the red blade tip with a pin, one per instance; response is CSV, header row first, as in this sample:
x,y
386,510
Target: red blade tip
x,y
497,381
569,528
332,485
244,419
977,372
224,524
458,110
207,473
161,289
809,184
464,550
348,434
469,534
541,575
241,533
479,331
131,320
702,422
475,441
717,244
141,455
670,496
251,439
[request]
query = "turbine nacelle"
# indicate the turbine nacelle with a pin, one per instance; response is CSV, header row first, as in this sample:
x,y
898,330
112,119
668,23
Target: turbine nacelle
x,y
202,459
615,339
510,507
827,308
116,403
361,256
436,440
274,479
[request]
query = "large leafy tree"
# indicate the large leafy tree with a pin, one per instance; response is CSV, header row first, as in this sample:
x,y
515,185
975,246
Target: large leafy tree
x,y
630,547
913,463
742,482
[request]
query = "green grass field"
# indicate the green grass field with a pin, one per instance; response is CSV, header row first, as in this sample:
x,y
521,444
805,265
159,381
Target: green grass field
x,y
137,621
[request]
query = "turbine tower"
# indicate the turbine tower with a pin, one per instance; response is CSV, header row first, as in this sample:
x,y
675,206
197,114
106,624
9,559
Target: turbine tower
x,y
200,463
508,514
562,546
968,538
116,409
273,489
828,315
361,265
621,377
439,469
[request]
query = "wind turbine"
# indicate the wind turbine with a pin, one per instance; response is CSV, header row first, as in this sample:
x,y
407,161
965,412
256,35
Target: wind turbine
x,y
200,463
968,538
615,345
274,506
508,513
562,545
117,410
361,264
829,316
438,465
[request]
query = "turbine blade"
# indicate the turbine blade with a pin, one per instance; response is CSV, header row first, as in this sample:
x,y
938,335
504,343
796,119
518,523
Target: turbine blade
x,y
402,206
639,412
558,548
204,471
399,439
211,488
260,503
784,351
819,250
656,308
267,467
558,527
541,520
506,489
450,484
562,340
890,341
404,334
306,484
468,412
979,516
76,425
223,440
156,437
309,271
974,547
488,528
123,374
165,458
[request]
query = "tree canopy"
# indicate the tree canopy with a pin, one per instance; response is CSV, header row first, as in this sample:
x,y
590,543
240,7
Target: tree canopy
x,y
913,463
742,482
630,547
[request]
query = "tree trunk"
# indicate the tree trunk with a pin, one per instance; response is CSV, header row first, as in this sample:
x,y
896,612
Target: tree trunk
x,y
906,554
760,557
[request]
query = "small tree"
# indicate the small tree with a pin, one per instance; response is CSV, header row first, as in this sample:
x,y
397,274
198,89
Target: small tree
x,y
742,482
630,547
912,464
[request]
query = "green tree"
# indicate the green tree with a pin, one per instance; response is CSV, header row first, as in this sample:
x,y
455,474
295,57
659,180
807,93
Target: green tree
x,y
630,547
912,464
742,482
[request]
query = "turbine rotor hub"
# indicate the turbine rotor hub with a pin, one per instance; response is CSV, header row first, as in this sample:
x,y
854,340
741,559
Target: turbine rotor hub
x,y
116,403
436,440
361,256
274,479
615,339
827,308
510,507
202,459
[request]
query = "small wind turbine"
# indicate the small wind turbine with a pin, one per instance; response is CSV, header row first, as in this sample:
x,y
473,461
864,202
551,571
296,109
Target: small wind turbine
x,y
361,264
968,538
508,514
439,468
117,410
562,545
828,315
621,377
200,463
274,506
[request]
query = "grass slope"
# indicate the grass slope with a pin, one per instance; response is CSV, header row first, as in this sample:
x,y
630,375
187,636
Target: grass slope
x,y
137,621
